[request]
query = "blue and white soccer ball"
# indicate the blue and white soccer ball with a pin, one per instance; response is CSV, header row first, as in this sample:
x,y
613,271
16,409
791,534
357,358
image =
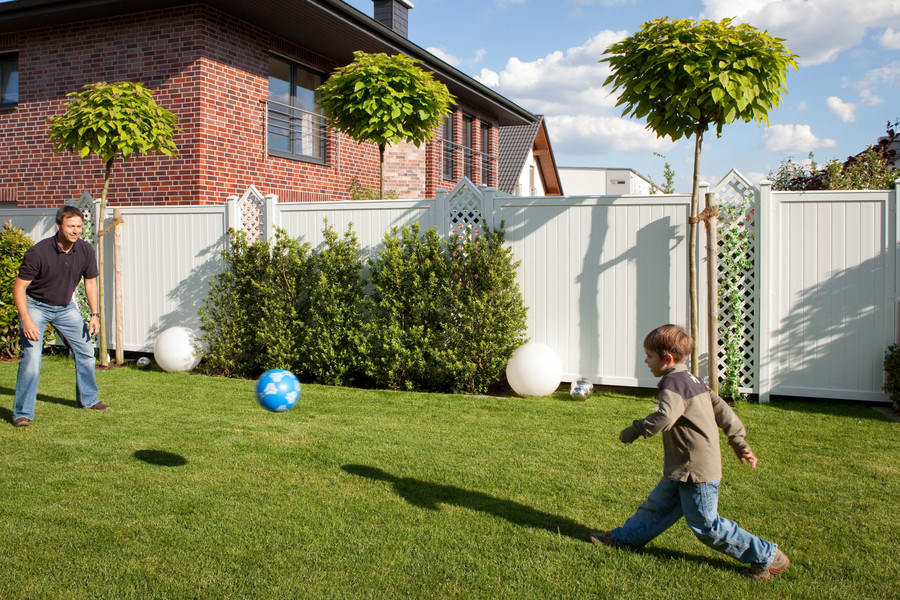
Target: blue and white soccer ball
x,y
277,390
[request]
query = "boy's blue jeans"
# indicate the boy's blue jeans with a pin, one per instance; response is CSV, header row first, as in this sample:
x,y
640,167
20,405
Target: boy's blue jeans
x,y
67,321
698,503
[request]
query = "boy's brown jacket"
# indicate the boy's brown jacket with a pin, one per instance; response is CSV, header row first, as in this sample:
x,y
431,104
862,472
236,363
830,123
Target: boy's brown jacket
x,y
689,416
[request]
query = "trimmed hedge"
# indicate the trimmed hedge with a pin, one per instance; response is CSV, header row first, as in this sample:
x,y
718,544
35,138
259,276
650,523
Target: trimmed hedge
x,y
421,314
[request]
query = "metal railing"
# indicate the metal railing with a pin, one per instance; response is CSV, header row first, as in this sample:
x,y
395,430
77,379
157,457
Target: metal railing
x,y
295,131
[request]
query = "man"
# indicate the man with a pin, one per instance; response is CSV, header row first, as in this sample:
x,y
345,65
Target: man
x,y
44,293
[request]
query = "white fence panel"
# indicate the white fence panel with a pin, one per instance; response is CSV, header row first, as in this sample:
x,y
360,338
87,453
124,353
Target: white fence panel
x,y
170,255
830,277
305,221
597,274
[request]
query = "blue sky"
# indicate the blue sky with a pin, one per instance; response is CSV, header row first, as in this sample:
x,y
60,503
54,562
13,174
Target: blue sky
x,y
544,54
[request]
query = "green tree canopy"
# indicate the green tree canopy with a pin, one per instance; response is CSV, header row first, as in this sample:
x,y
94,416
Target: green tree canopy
x,y
112,119
682,76
383,100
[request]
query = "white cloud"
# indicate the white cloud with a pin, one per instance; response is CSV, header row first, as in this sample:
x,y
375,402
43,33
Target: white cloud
x,y
845,111
598,134
816,30
444,56
561,82
890,39
457,62
793,139
888,75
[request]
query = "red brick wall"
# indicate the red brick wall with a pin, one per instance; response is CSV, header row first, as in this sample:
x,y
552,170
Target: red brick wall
x,y
212,71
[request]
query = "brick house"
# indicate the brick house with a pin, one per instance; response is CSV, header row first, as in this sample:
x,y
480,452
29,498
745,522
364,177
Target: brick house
x,y
241,76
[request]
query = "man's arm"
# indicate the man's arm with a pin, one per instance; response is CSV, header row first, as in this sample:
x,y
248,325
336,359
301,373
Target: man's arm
x,y
29,328
93,297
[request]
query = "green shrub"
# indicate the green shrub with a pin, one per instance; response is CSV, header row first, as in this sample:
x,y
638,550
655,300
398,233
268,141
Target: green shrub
x,y
892,374
230,315
333,342
13,244
284,304
409,308
487,315
430,315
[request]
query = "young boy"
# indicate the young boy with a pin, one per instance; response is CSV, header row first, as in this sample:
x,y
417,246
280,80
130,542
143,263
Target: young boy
x,y
689,416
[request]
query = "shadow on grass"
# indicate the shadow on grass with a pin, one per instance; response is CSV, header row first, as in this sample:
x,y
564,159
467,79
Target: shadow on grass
x,y
160,458
425,494
835,408
6,413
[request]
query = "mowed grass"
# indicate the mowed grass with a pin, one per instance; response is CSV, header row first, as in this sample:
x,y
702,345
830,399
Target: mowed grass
x,y
188,489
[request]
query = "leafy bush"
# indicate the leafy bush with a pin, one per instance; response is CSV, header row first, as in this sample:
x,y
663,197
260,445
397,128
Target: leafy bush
x,y
284,304
892,374
333,343
408,306
13,244
230,315
487,312
430,315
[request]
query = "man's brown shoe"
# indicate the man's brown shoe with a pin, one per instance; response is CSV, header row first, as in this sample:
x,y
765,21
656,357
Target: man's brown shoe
x,y
21,422
99,406
779,565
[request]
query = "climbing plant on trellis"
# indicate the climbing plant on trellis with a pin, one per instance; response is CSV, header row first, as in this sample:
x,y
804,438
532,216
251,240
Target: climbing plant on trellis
x,y
738,307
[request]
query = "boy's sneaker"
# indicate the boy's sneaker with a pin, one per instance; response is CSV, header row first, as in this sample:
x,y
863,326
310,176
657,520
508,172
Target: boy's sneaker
x,y
779,565
603,538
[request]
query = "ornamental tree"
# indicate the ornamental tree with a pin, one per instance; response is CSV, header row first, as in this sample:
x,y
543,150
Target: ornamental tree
x,y
109,120
384,99
684,76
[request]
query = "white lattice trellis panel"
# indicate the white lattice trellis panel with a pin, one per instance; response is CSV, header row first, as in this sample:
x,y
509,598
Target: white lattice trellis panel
x,y
464,206
738,200
251,213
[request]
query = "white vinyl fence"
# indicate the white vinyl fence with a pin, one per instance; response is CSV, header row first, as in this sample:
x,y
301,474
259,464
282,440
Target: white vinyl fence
x,y
597,273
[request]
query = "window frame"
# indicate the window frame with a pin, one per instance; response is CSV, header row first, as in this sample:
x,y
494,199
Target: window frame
x,y
485,153
448,140
5,55
468,143
289,111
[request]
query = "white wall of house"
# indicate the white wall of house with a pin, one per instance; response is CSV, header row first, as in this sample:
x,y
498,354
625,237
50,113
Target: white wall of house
x,y
529,183
601,181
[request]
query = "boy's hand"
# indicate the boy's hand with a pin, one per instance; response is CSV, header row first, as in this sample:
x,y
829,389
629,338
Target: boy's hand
x,y
746,455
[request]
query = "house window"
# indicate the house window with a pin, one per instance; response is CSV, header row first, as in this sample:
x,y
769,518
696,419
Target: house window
x,y
296,124
9,79
448,147
485,154
468,154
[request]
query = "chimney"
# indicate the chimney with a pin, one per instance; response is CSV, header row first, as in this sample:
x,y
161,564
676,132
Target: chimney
x,y
392,14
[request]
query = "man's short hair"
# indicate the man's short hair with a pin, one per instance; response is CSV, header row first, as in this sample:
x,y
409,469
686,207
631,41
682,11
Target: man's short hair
x,y
66,212
670,339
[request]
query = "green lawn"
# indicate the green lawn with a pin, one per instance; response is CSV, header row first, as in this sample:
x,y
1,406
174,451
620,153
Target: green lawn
x,y
187,489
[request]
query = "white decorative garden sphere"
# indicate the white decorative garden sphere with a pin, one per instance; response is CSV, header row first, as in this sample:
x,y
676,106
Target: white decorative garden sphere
x,y
534,370
175,350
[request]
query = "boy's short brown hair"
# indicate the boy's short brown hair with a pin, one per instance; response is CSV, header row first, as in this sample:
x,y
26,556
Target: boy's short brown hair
x,y
670,339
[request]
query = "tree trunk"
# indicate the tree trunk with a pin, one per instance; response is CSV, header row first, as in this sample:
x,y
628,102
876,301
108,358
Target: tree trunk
x,y
104,352
692,254
381,172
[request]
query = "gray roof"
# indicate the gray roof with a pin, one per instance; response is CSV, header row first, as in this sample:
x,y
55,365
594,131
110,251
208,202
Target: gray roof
x,y
516,141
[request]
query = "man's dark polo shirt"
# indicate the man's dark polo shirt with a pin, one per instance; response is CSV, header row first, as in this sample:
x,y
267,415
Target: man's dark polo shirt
x,y
55,274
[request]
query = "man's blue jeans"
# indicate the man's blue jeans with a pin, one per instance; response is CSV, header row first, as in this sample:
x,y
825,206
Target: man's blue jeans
x,y
67,321
698,503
